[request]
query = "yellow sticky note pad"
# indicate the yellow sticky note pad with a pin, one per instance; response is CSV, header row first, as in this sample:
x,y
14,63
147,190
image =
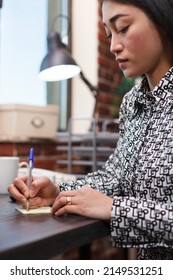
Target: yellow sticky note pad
x,y
39,210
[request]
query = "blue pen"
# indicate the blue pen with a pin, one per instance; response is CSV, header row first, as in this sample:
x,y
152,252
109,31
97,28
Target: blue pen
x,y
30,167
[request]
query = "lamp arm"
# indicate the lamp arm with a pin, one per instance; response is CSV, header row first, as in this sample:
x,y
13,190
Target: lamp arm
x,y
92,88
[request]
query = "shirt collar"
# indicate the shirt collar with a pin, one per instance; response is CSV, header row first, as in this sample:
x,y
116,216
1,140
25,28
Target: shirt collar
x,y
162,91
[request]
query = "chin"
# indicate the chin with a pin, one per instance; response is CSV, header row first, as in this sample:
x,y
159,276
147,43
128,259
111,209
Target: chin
x,y
130,74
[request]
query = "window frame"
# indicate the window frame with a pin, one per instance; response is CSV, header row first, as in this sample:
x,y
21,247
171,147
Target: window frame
x,y
59,93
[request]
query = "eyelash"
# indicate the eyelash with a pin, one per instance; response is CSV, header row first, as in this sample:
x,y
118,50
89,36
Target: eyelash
x,y
123,30
109,36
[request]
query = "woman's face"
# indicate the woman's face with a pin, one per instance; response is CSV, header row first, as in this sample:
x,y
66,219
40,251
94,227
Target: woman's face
x,y
135,41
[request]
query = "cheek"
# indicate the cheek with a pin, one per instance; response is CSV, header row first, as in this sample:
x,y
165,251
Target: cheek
x,y
144,42
137,44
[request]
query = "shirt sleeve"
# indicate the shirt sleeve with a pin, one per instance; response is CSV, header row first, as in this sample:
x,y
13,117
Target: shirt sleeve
x,y
141,223
107,179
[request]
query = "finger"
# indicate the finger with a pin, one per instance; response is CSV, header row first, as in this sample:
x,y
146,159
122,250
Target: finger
x,y
62,202
59,203
75,192
19,197
20,184
19,190
67,209
37,184
67,193
35,202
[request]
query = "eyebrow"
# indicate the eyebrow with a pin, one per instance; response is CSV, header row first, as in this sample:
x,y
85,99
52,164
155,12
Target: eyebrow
x,y
116,17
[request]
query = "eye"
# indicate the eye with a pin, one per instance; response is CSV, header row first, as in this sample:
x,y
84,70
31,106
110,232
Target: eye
x,y
123,30
108,33
109,36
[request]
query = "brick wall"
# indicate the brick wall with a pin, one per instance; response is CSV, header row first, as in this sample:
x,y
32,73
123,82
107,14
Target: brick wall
x,y
46,153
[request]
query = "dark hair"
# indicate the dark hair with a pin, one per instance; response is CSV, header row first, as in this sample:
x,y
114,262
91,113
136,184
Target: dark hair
x,y
159,11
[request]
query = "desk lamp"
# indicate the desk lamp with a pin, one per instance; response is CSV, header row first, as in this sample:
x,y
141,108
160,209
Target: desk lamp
x,y
58,64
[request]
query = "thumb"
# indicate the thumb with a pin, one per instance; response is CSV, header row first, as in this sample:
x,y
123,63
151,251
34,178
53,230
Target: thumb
x,y
34,188
38,184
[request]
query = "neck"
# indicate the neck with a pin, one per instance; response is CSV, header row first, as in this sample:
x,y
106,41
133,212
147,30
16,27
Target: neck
x,y
157,75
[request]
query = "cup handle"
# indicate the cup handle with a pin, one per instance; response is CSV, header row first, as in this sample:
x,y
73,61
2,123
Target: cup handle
x,y
23,164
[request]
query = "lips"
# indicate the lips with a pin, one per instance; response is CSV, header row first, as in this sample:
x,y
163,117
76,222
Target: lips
x,y
121,62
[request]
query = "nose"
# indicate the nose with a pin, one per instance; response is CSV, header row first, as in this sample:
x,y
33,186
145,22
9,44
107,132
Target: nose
x,y
116,45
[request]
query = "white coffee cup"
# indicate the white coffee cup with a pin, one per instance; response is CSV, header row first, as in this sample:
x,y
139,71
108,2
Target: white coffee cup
x,y
9,171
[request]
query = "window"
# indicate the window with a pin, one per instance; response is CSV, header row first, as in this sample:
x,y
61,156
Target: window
x,y
59,92
23,32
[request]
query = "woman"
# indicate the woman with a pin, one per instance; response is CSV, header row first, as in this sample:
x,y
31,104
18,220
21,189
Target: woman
x,y
134,190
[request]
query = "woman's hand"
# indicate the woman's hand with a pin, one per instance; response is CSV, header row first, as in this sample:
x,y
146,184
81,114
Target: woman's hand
x,y
42,191
85,202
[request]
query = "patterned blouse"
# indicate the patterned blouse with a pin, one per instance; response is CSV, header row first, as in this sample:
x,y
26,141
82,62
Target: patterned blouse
x,y
139,174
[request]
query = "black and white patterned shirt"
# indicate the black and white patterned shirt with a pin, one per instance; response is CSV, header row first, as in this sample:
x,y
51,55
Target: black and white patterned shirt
x,y
139,175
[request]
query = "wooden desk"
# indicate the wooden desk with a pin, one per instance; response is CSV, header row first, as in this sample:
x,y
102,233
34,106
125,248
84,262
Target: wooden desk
x,y
43,236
